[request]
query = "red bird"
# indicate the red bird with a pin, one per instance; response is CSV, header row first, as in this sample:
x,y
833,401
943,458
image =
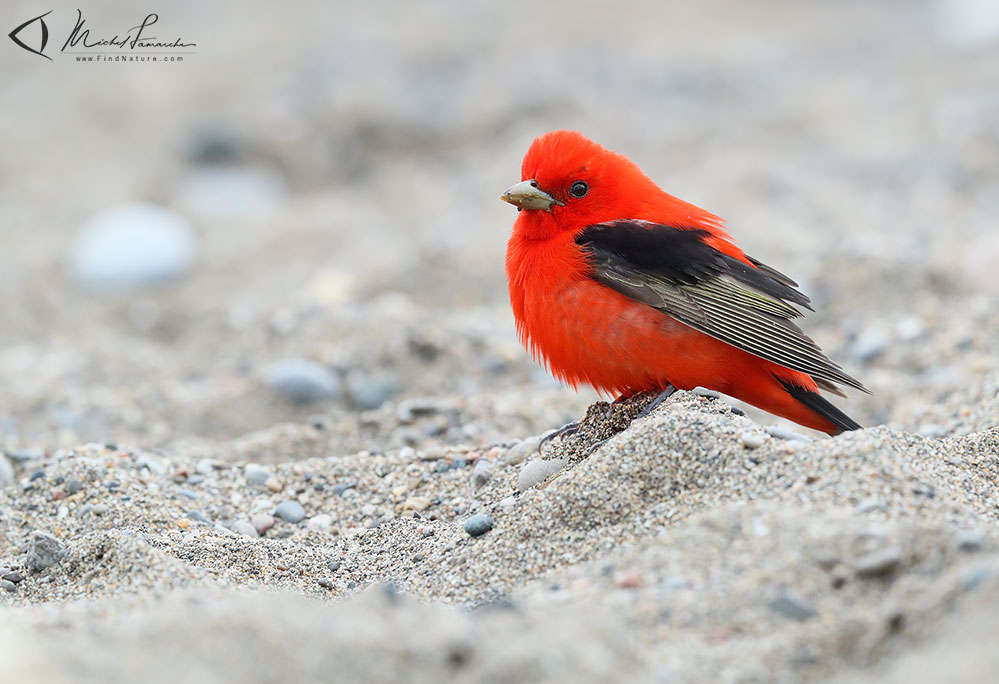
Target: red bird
x,y
616,284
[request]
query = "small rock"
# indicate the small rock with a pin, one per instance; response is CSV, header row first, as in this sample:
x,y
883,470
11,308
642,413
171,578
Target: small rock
x,y
262,523
369,392
256,475
100,509
537,471
319,523
289,511
183,523
519,452
783,433
303,381
878,563
706,393
7,585
274,484
792,606
199,516
129,245
970,540
482,472
12,576
628,579
326,583
752,440
244,528
73,486
44,551
333,565
37,475
416,503
478,525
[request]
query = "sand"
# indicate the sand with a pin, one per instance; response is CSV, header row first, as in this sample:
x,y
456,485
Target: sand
x,y
169,512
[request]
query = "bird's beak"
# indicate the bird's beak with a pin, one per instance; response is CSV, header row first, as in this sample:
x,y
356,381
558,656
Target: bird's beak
x,y
528,195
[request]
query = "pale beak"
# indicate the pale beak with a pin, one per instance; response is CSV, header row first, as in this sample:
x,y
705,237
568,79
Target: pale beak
x,y
528,195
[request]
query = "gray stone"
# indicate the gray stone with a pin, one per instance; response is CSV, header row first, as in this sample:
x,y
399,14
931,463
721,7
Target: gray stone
x,y
100,509
152,462
132,244
289,511
257,475
970,540
370,391
783,433
73,486
482,472
878,563
199,516
244,528
12,576
302,381
7,585
792,606
44,551
478,525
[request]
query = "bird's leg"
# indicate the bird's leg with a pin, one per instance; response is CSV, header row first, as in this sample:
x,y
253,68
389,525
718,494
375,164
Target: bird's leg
x,y
660,398
564,431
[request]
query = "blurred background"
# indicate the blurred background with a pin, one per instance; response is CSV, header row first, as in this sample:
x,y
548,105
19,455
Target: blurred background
x,y
301,219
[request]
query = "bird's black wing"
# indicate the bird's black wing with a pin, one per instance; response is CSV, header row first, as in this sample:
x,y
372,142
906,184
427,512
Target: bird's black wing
x,y
675,271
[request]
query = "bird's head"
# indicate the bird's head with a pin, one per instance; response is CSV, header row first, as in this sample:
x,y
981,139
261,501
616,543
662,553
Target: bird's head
x,y
570,182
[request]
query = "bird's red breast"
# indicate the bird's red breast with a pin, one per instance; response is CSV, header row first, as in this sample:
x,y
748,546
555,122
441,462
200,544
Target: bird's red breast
x,y
619,285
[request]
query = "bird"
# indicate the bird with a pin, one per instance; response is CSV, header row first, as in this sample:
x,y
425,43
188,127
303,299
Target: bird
x,y
616,284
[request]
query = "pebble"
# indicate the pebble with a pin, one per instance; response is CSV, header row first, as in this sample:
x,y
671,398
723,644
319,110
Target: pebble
x,y
13,576
537,471
792,606
784,433
416,503
44,551
368,392
7,585
326,583
262,523
970,540
131,245
478,525
878,563
73,486
319,523
519,452
752,440
100,509
199,516
302,381
6,472
482,472
289,511
274,484
256,475
244,528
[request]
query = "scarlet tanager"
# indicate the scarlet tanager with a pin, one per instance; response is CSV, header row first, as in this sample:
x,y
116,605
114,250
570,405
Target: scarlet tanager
x,y
616,284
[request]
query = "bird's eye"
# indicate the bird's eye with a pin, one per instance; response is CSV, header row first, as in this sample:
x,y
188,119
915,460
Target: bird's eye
x,y
579,189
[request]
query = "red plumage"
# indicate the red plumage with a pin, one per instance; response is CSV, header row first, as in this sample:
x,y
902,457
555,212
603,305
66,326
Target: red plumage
x,y
587,332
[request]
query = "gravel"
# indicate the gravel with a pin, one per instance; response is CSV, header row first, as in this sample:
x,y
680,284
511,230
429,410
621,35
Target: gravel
x,y
44,551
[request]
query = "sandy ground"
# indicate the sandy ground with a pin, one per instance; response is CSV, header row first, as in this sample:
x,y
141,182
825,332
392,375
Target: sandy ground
x,y
339,169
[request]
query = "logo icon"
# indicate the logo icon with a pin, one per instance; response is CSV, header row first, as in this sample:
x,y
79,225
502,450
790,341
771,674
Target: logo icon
x,y
45,35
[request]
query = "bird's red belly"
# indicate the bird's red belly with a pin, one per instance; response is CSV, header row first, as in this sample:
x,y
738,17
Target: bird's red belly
x,y
587,333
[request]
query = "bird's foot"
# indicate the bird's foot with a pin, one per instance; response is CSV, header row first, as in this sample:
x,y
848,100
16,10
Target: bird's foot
x,y
660,398
564,431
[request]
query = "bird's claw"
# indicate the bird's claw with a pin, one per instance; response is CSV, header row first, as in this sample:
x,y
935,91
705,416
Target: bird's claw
x,y
564,431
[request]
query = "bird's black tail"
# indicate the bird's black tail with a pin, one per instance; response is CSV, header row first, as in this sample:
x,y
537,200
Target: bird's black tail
x,y
817,403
